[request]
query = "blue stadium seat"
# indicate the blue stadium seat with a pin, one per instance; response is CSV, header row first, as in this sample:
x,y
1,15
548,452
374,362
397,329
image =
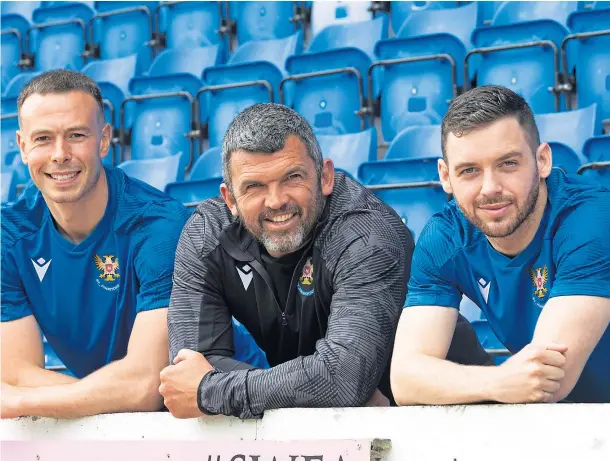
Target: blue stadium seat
x,y
400,11
416,142
415,206
263,20
565,157
418,92
399,171
16,19
9,187
157,172
589,58
459,22
326,13
191,60
23,9
59,36
208,165
331,102
530,70
122,28
597,149
191,193
487,11
514,12
9,125
192,24
571,128
252,75
348,151
163,113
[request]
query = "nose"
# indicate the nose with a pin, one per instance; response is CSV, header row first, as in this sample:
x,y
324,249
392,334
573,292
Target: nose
x,y
490,186
276,197
61,154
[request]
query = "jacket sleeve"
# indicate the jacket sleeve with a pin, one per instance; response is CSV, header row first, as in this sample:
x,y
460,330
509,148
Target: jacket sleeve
x,y
369,259
198,317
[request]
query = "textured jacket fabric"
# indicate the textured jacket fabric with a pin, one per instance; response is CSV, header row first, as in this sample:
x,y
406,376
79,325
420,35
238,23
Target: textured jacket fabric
x,y
329,345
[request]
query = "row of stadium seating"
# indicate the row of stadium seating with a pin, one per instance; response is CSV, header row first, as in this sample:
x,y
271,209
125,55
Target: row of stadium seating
x,y
350,74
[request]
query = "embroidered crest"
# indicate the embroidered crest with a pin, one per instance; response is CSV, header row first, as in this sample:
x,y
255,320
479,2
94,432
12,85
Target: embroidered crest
x,y
109,266
539,277
305,285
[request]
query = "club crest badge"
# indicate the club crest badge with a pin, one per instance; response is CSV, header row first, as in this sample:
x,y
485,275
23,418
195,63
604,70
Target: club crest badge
x,y
305,285
539,277
109,267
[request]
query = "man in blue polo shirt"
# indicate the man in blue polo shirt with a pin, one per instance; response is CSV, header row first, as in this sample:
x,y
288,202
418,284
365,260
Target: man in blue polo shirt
x,y
529,245
87,257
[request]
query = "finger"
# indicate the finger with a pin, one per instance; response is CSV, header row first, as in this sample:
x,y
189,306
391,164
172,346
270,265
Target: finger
x,y
551,386
545,397
562,349
183,354
552,358
553,373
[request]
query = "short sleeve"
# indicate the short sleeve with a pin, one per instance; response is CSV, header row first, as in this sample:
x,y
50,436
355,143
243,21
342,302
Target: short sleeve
x,y
429,284
158,235
581,250
15,303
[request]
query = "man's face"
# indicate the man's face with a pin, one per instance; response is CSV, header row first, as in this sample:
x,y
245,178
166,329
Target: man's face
x,y
278,197
494,176
62,140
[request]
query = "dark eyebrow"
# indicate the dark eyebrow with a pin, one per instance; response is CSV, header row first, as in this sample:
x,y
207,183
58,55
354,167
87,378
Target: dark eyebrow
x,y
45,132
510,155
503,158
296,169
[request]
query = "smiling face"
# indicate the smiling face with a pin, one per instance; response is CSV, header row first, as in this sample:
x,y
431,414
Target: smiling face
x,y
278,196
494,175
62,140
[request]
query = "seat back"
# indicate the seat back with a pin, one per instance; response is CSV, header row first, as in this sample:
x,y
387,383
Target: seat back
x,y
398,171
601,175
571,128
208,165
348,151
514,12
9,126
597,149
417,93
528,72
415,206
565,158
191,24
156,172
263,20
275,51
193,192
416,142
186,60
460,22
591,59
400,11
324,14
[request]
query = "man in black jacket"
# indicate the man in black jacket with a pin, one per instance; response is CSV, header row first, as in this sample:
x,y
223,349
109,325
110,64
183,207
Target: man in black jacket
x,y
309,261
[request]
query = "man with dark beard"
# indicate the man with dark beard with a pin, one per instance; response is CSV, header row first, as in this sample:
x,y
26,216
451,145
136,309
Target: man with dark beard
x,y
309,261
529,245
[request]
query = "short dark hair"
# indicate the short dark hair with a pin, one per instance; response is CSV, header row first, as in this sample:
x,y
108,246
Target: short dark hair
x,y
484,105
61,81
264,128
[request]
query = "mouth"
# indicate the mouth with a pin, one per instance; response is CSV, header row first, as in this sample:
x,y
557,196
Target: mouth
x,y
280,221
496,209
63,178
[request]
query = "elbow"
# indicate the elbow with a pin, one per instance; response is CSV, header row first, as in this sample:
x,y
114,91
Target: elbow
x,y
403,385
147,398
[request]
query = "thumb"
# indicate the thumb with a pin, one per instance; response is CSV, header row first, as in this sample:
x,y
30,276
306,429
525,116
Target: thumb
x,y
183,354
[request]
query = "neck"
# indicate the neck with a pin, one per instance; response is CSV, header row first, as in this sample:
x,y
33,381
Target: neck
x,y
516,242
75,221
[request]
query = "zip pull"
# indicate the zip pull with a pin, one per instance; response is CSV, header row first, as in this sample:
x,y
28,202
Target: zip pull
x,y
284,321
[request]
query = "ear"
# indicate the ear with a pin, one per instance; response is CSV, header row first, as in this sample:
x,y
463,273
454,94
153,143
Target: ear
x,y
105,142
21,144
328,177
443,174
544,159
229,199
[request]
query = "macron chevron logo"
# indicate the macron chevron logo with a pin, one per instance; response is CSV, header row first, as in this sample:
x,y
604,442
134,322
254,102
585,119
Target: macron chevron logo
x,y
245,274
484,288
41,267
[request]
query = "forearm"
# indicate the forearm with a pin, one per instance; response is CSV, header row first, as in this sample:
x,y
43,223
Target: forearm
x,y
121,386
34,376
421,380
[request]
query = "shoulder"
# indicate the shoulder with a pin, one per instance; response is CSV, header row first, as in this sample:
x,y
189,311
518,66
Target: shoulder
x,y
205,225
142,209
23,218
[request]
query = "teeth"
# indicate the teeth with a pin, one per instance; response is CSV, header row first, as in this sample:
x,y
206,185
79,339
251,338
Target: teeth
x,y
63,177
281,218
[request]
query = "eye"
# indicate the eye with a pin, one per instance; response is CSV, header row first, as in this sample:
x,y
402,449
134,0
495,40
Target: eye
x,y
77,135
42,138
510,163
295,176
253,185
467,171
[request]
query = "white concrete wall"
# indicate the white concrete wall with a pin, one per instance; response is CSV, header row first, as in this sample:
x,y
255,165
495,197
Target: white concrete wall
x,y
461,433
